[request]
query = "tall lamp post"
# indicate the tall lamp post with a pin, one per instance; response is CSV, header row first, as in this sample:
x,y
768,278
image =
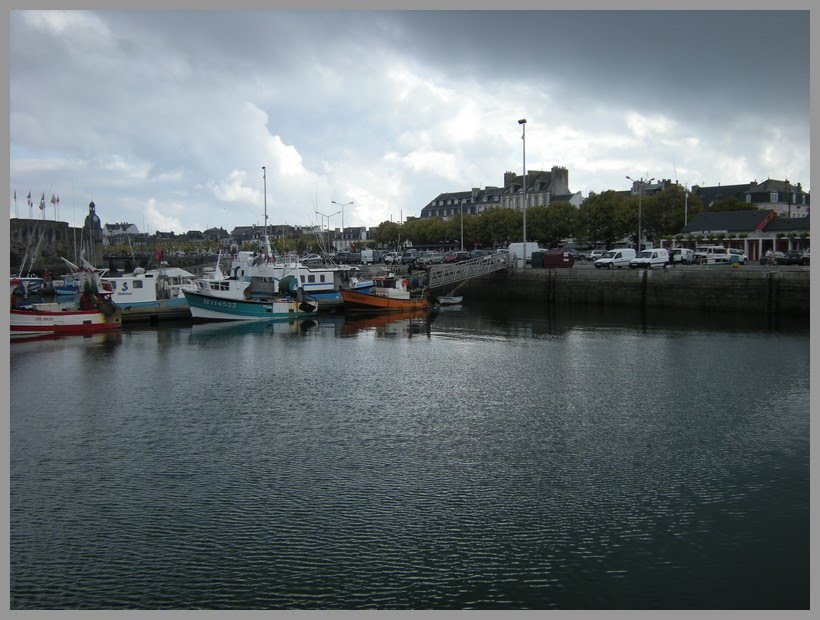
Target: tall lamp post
x,y
523,123
344,245
461,210
328,227
641,182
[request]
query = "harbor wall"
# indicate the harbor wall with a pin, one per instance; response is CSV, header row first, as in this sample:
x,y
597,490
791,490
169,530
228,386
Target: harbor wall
x,y
729,289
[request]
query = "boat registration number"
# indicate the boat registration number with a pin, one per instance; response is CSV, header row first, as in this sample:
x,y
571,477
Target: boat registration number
x,y
221,304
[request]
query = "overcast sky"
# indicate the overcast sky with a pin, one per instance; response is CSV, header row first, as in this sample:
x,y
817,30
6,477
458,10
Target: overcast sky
x,y
165,119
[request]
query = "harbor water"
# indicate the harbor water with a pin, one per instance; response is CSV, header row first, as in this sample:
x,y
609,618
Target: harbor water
x,y
485,456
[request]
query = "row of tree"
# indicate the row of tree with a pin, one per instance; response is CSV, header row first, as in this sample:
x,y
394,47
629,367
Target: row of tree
x,y
602,219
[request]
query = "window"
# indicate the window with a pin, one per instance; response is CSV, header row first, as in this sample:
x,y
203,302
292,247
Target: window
x,y
311,278
302,278
773,197
748,198
322,278
137,283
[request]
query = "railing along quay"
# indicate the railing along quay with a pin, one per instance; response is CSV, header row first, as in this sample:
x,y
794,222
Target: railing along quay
x,y
454,273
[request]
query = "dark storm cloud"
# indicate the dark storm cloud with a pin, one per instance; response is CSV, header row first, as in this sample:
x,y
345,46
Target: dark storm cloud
x,y
757,58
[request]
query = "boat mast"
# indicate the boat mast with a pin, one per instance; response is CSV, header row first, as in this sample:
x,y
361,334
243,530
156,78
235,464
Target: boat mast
x,y
266,238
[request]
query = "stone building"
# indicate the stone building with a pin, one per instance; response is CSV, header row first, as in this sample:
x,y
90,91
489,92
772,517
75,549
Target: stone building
x,y
543,188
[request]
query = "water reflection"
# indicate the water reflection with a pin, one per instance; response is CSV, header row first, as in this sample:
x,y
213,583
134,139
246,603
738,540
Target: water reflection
x,y
204,331
393,324
110,337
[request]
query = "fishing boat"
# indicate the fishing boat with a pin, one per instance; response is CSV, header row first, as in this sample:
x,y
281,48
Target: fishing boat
x,y
288,303
151,294
448,300
26,286
94,311
323,282
390,293
67,285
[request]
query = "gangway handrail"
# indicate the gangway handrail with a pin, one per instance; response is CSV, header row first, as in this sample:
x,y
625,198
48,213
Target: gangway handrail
x,y
452,273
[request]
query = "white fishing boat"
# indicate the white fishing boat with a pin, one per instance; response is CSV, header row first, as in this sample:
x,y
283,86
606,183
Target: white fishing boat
x,y
151,294
289,302
449,300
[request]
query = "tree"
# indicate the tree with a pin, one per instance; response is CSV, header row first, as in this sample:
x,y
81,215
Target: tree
x,y
604,218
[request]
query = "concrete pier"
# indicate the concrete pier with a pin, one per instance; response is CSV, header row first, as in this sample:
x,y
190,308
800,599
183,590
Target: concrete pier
x,y
743,289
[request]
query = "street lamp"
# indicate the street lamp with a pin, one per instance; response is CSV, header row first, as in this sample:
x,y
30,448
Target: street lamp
x,y
343,218
641,182
328,226
523,123
461,210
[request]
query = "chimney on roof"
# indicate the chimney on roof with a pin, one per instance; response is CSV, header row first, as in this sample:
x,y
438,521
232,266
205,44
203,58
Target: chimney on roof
x,y
475,192
560,181
509,178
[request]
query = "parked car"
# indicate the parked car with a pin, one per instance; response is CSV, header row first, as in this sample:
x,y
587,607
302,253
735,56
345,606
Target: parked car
x,y
711,254
429,258
656,257
684,256
593,255
793,257
619,257
409,258
390,257
481,252
741,256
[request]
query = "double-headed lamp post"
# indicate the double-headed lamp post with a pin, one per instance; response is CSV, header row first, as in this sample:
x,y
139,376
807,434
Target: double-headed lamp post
x,y
344,245
328,226
523,123
641,182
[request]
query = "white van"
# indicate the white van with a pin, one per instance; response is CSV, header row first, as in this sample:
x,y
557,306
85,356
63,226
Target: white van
x,y
618,257
684,256
657,257
367,257
517,250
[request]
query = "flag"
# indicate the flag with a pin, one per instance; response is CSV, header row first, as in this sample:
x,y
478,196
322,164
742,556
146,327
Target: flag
x,y
42,202
15,194
53,199
29,199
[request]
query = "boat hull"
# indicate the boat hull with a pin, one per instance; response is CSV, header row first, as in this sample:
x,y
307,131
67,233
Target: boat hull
x,y
359,301
30,322
206,307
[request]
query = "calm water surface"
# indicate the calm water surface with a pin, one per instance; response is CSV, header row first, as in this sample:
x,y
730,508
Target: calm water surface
x,y
480,458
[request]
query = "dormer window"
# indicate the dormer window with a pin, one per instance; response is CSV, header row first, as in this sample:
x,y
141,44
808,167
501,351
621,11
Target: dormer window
x,y
773,197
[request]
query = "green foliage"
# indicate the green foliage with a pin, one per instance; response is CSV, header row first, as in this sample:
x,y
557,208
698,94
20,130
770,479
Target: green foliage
x,y
604,218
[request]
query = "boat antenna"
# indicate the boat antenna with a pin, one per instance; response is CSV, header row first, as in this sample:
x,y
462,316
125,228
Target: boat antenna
x,y
265,191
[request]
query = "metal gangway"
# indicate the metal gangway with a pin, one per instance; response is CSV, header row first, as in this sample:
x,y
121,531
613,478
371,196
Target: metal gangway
x,y
455,273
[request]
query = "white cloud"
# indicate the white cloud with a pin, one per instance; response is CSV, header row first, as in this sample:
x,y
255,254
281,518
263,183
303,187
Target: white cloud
x,y
233,189
62,23
648,126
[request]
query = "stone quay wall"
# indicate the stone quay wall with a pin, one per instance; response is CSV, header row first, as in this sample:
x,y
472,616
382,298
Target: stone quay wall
x,y
744,289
